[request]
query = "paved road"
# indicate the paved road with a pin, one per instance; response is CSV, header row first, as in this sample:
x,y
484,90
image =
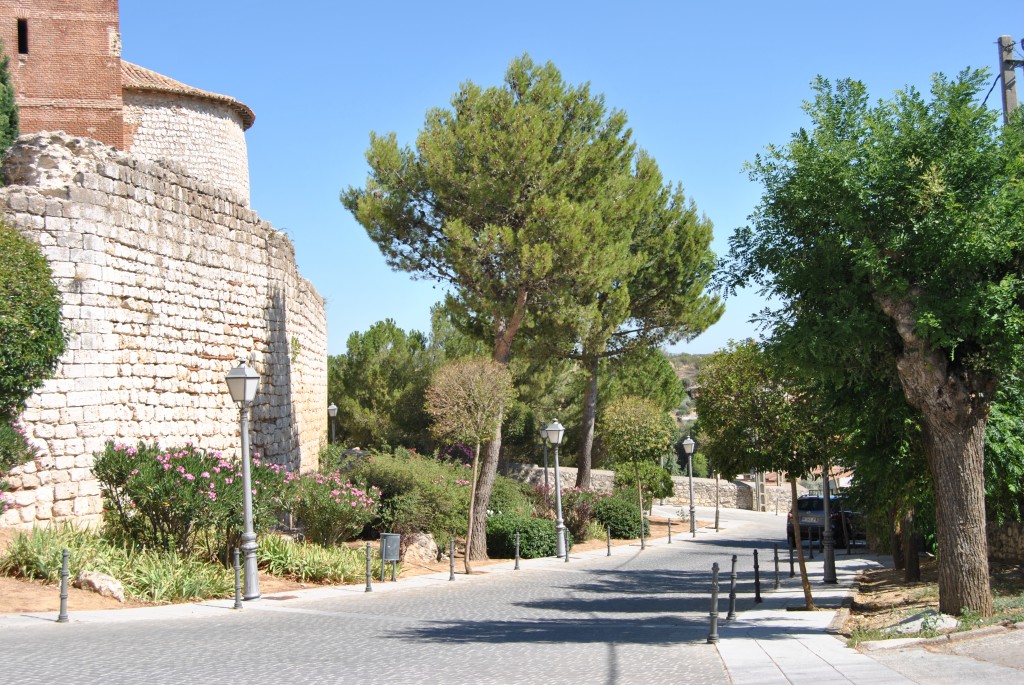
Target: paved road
x,y
636,617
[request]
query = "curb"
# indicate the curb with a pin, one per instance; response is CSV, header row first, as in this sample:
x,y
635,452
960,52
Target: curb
x,y
962,636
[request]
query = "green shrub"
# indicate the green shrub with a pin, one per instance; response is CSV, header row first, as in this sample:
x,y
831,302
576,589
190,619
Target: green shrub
x,y
180,498
15,450
536,537
313,563
331,510
622,514
510,497
418,494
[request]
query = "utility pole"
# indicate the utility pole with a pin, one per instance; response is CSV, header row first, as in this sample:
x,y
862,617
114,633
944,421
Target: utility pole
x,y
1008,74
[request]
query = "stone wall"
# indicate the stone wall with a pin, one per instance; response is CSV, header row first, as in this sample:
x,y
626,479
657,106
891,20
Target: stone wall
x,y
1006,541
209,136
166,281
733,495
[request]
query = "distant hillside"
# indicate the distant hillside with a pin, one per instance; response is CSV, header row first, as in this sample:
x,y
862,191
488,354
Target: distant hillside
x,y
686,366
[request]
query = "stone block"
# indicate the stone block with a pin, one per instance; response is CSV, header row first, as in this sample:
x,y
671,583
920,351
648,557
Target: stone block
x,y
28,514
65,491
62,509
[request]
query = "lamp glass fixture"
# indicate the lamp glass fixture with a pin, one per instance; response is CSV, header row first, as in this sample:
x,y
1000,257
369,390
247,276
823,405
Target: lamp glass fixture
x,y
242,382
332,410
555,431
688,445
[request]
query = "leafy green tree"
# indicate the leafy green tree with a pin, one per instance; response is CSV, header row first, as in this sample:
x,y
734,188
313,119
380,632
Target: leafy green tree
x,y
890,236
636,431
755,415
466,399
378,387
507,198
652,295
32,336
8,106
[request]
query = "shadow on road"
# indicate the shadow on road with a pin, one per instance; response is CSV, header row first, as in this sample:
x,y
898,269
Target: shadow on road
x,y
664,630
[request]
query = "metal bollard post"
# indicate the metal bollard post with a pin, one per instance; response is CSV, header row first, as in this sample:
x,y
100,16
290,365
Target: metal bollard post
x,y
238,581
451,557
369,571
62,617
792,573
609,541
642,542
517,552
757,580
565,532
670,531
732,592
713,634
776,567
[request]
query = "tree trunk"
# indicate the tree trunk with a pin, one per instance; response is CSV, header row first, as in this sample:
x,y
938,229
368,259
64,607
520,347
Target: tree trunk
x,y
804,581
472,505
911,550
589,418
895,540
954,405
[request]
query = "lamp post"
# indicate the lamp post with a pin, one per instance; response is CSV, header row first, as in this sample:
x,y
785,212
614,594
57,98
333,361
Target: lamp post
x,y
554,432
332,411
828,539
242,381
688,446
544,439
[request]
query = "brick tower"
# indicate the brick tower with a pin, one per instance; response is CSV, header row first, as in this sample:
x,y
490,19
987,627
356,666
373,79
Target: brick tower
x,y
65,63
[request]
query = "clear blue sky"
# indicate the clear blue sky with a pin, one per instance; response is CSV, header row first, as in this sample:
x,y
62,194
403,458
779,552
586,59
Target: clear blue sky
x,y
706,86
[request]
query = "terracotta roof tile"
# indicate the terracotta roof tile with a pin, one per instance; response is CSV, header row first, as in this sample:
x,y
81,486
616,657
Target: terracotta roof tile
x,y
134,77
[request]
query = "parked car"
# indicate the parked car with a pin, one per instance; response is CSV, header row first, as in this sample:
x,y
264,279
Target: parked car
x,y
811,511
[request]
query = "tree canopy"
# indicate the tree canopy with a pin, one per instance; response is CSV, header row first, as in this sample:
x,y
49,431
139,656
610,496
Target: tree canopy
x,y
889,234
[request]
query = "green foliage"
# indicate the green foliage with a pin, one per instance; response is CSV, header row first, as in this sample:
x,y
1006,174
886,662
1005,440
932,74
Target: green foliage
x,y
419,494
536,537
182,498
1004,455
147,574
636,429
511,497
466,399
644,372
654,480
331,509
378,386
313,563
622,513
8,106
32,337
14,451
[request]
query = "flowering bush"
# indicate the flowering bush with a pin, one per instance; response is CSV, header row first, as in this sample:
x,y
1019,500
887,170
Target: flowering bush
x,y
331,510
182,497
578,510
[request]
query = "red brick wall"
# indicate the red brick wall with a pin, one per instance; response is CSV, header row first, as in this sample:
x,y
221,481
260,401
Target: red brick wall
x,y
70,79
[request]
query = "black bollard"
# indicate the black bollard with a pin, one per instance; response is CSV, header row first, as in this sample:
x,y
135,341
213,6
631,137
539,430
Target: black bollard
x,y
776,567
62,617
369,569
451,557
757,580
609,541
517,552
732,592
792,573
713,634
670,531
238,581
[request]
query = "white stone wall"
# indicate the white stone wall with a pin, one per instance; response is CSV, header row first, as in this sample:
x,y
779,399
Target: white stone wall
x,y
208,137
166,283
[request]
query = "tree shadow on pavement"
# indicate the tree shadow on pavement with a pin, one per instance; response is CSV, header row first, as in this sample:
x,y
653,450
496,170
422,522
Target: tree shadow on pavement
x,y
665,630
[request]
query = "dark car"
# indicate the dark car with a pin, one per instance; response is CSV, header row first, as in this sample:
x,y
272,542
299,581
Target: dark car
x,y
811,512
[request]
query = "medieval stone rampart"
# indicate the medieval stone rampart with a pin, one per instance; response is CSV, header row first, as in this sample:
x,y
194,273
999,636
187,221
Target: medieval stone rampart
x,y
166,282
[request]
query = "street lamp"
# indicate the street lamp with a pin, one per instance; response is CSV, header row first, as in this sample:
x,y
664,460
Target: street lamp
x,y
828,539
242,381
688,446
332,411
554,433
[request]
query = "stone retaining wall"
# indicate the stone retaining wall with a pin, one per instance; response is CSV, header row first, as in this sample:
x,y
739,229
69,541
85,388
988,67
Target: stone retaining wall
x,y
732,494
167,282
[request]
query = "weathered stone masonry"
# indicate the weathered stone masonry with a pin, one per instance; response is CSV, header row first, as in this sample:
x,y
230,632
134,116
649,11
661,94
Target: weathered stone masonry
x,y
166,281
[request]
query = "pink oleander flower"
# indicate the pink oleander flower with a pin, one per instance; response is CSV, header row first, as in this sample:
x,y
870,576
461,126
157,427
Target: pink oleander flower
x,y
205,474
189,476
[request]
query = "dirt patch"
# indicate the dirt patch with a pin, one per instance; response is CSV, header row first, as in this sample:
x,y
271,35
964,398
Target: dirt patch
x,y
885,598
28,596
